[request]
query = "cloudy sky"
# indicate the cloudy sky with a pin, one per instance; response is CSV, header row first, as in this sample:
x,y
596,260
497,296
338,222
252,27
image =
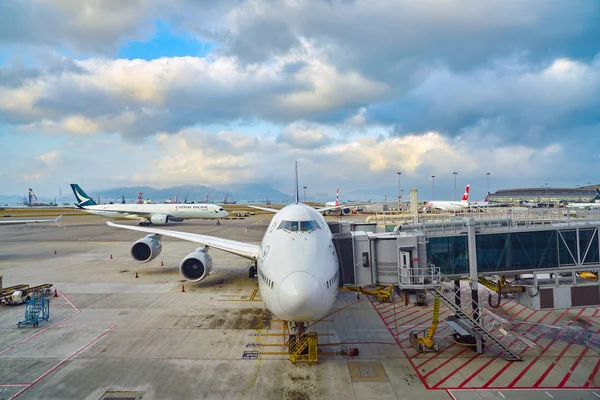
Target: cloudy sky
x,y
167,92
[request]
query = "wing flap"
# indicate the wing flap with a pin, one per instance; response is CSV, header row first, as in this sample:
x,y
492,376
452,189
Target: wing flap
x,y
246,250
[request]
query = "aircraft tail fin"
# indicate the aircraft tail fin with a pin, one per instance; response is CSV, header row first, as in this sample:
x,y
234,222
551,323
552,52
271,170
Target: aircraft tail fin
x,y
296,190
83,199
337,196
487,197
597,194
466,194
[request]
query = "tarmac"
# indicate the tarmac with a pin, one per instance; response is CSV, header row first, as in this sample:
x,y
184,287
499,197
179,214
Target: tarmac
x,y
112,335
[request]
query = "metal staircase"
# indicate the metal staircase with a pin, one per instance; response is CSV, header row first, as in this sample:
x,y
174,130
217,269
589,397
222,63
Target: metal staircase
x,y
489,327
303,348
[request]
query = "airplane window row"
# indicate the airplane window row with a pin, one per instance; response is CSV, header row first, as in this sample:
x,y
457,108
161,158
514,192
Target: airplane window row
x,y
266,280
302,226
331,281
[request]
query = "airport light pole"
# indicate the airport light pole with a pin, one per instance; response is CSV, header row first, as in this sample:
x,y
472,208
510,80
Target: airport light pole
x,y
399,189
455,173
432,187
304,187
488,182
589,189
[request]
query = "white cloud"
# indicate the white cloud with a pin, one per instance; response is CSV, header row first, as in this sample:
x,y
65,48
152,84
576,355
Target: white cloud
x,y
51,159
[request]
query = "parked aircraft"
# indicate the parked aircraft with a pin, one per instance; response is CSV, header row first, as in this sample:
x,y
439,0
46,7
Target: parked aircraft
x,y
587,206
296,261
344,210
149,214
451,205
30,221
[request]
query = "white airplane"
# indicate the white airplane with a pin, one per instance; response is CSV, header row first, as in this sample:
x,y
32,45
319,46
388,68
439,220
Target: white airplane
x,y
344,210
451,205
587,206
149,214
30,221
296,261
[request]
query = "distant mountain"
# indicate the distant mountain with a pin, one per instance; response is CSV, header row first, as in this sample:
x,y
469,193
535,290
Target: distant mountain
x,y
195,193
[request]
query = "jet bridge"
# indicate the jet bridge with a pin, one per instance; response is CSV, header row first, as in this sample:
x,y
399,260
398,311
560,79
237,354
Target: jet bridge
x,y
558,261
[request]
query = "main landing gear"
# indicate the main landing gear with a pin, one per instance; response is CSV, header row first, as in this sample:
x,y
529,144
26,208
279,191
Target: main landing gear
x,y
145,223
218,222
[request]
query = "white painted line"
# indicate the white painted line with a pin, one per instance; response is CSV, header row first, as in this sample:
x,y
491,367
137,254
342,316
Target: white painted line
x,y
596,394
549,395
500,393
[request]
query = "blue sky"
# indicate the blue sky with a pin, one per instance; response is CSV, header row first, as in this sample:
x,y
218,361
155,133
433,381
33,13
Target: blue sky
x,y
170,93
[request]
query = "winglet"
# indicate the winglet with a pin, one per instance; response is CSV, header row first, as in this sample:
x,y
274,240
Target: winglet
x,y
57,220
296,191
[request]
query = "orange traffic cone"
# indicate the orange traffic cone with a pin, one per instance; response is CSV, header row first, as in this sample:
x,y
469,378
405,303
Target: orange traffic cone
x,y
55,293
162,263
111,256
182,288
54,251
136,275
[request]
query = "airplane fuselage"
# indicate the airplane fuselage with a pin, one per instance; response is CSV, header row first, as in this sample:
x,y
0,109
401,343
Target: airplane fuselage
x,y
134,211
448,205
297,266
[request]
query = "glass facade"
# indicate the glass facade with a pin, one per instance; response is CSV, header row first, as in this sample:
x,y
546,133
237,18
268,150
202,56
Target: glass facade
x,y
503,252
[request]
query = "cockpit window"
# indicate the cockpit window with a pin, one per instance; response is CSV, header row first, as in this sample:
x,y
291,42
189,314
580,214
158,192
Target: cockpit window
x,y
302,226
306,226
221,209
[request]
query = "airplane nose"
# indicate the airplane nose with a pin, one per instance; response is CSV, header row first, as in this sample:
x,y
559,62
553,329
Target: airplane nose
x,y
300,296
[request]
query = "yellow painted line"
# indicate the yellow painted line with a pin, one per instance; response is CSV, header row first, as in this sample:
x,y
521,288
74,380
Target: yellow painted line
x,y
252,297
253,294
274,353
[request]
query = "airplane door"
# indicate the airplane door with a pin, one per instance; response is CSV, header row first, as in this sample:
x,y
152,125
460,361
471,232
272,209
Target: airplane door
x,y
405,275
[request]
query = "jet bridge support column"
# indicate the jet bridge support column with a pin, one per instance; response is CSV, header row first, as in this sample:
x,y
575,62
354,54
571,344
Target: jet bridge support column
x,y
472,247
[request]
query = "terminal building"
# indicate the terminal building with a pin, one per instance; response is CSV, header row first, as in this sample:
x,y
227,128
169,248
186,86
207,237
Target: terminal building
x,y
583,194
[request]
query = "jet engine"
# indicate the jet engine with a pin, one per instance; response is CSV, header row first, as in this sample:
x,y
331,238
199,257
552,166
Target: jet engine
x,y
196,266
345,210
146,249
159,219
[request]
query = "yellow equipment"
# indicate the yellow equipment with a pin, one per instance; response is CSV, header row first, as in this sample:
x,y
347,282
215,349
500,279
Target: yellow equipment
x,y
383,294
421,343
500,288
588,275
303,348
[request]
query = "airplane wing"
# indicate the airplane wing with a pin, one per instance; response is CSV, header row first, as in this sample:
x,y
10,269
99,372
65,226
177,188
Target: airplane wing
x,y
30,221
271,210
246,250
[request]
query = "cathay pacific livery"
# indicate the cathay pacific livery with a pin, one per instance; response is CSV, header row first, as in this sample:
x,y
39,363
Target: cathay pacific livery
x,y
149,214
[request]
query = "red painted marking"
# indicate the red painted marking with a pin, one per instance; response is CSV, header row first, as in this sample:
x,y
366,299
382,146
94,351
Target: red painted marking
x,y
510,308
62,362
562,353
474,374
419,375
450,394
514,381
493,378
45,329
414,326
562,315
592,375
575,364
445,362
403,316
454,372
